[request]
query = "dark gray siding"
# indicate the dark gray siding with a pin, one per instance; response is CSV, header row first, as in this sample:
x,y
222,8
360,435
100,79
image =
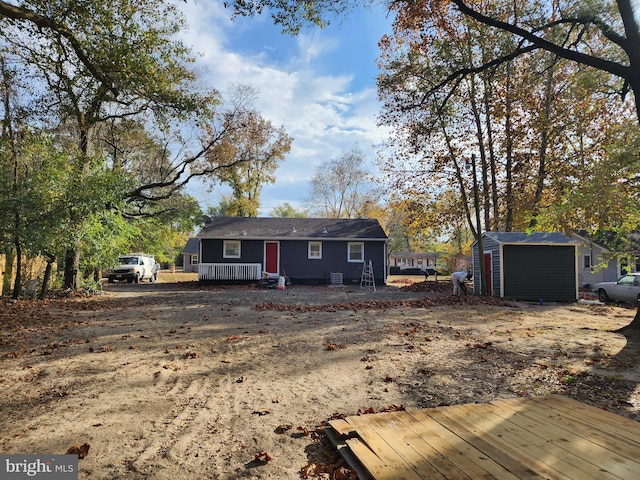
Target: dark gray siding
x,y
488,244
533,272
299,268
251,251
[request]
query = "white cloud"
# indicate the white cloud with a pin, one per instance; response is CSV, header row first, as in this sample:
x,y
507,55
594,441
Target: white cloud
x,y
322,110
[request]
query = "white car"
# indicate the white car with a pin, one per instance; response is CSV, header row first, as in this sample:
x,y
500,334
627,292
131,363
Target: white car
x,y
625,289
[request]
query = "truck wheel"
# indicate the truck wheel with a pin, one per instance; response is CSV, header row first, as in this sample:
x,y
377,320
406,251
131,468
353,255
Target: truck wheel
x,y
154,278
110,279
137,278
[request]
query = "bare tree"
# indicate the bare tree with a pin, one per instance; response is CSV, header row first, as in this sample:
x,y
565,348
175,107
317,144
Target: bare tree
x,y
341,187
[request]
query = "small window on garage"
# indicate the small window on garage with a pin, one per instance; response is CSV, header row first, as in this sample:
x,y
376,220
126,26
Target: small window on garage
x,y
315,250
355,252
587,261
231,249
194,259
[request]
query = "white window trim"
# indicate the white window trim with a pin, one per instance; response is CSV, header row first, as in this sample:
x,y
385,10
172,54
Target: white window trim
x,y
194,259
314,257
352,244
231,242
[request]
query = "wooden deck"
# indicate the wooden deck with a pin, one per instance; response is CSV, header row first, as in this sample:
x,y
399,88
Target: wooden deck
x,y
550,437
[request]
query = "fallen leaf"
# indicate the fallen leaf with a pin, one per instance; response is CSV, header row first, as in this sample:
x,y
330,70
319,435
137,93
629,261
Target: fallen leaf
x,y
80,450
260,413
280,429
263,457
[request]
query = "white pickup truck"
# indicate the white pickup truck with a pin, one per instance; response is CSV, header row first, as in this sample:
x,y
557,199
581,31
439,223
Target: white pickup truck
x,y
134,267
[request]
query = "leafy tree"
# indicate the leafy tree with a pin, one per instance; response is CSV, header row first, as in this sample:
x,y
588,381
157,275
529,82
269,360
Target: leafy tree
x,y
528,122
118,92
222,209
248,156
571,36
31,14
34,174
149,66
286,210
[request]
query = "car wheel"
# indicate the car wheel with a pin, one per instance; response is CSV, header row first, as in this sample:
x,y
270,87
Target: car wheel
x,y
602,296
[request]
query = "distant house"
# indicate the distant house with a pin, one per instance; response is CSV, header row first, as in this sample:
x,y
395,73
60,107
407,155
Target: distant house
x,y
307,250
415,262
527,266
191,255
597,263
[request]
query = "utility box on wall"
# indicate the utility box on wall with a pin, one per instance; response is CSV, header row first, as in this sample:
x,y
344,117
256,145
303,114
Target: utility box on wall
x,y
528,266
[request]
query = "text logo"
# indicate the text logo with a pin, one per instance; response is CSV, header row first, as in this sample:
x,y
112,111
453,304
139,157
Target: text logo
x,y
50,467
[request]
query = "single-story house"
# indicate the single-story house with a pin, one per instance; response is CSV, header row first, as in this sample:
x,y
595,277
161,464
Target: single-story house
x,y
416,262
308,251
596,263
605,257
527,266
191,255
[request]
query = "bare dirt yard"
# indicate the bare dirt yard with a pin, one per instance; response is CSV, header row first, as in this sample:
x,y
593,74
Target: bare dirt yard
x,y
166,381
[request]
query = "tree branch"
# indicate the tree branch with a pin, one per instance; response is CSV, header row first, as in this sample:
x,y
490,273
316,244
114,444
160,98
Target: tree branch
x,y
19,13
589,60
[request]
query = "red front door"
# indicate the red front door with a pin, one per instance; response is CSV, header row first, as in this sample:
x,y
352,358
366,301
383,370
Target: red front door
x,y
271,257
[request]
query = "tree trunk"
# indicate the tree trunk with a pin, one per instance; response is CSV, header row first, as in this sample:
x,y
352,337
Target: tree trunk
x,y
18,280
509,200
486,200
47,277
9,257
544,142
633,327
71,265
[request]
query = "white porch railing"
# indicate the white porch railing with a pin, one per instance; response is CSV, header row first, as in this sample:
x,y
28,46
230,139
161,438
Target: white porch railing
x,y
229,271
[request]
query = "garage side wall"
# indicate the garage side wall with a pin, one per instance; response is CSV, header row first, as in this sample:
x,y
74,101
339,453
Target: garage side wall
x,y
488,245
534,272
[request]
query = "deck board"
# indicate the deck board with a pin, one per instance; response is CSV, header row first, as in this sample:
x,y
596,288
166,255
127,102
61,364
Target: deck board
x,y
551,437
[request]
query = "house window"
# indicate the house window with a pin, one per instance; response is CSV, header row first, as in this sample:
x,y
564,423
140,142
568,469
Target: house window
x,y
315,250
194,259
231,249
587,261
355,252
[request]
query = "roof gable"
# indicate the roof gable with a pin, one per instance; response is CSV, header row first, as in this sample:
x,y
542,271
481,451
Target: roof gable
x,y
192,246
292,228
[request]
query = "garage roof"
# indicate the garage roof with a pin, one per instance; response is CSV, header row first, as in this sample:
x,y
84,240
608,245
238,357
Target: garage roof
x,y
534,238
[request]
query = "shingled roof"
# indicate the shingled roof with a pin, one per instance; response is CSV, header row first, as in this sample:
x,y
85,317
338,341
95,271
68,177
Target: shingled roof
x,y
266,228
543,238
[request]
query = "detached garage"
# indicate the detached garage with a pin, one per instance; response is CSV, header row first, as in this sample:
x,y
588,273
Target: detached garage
x,y
528,266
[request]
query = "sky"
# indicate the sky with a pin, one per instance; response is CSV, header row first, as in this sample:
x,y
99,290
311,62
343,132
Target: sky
x,y
319,85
